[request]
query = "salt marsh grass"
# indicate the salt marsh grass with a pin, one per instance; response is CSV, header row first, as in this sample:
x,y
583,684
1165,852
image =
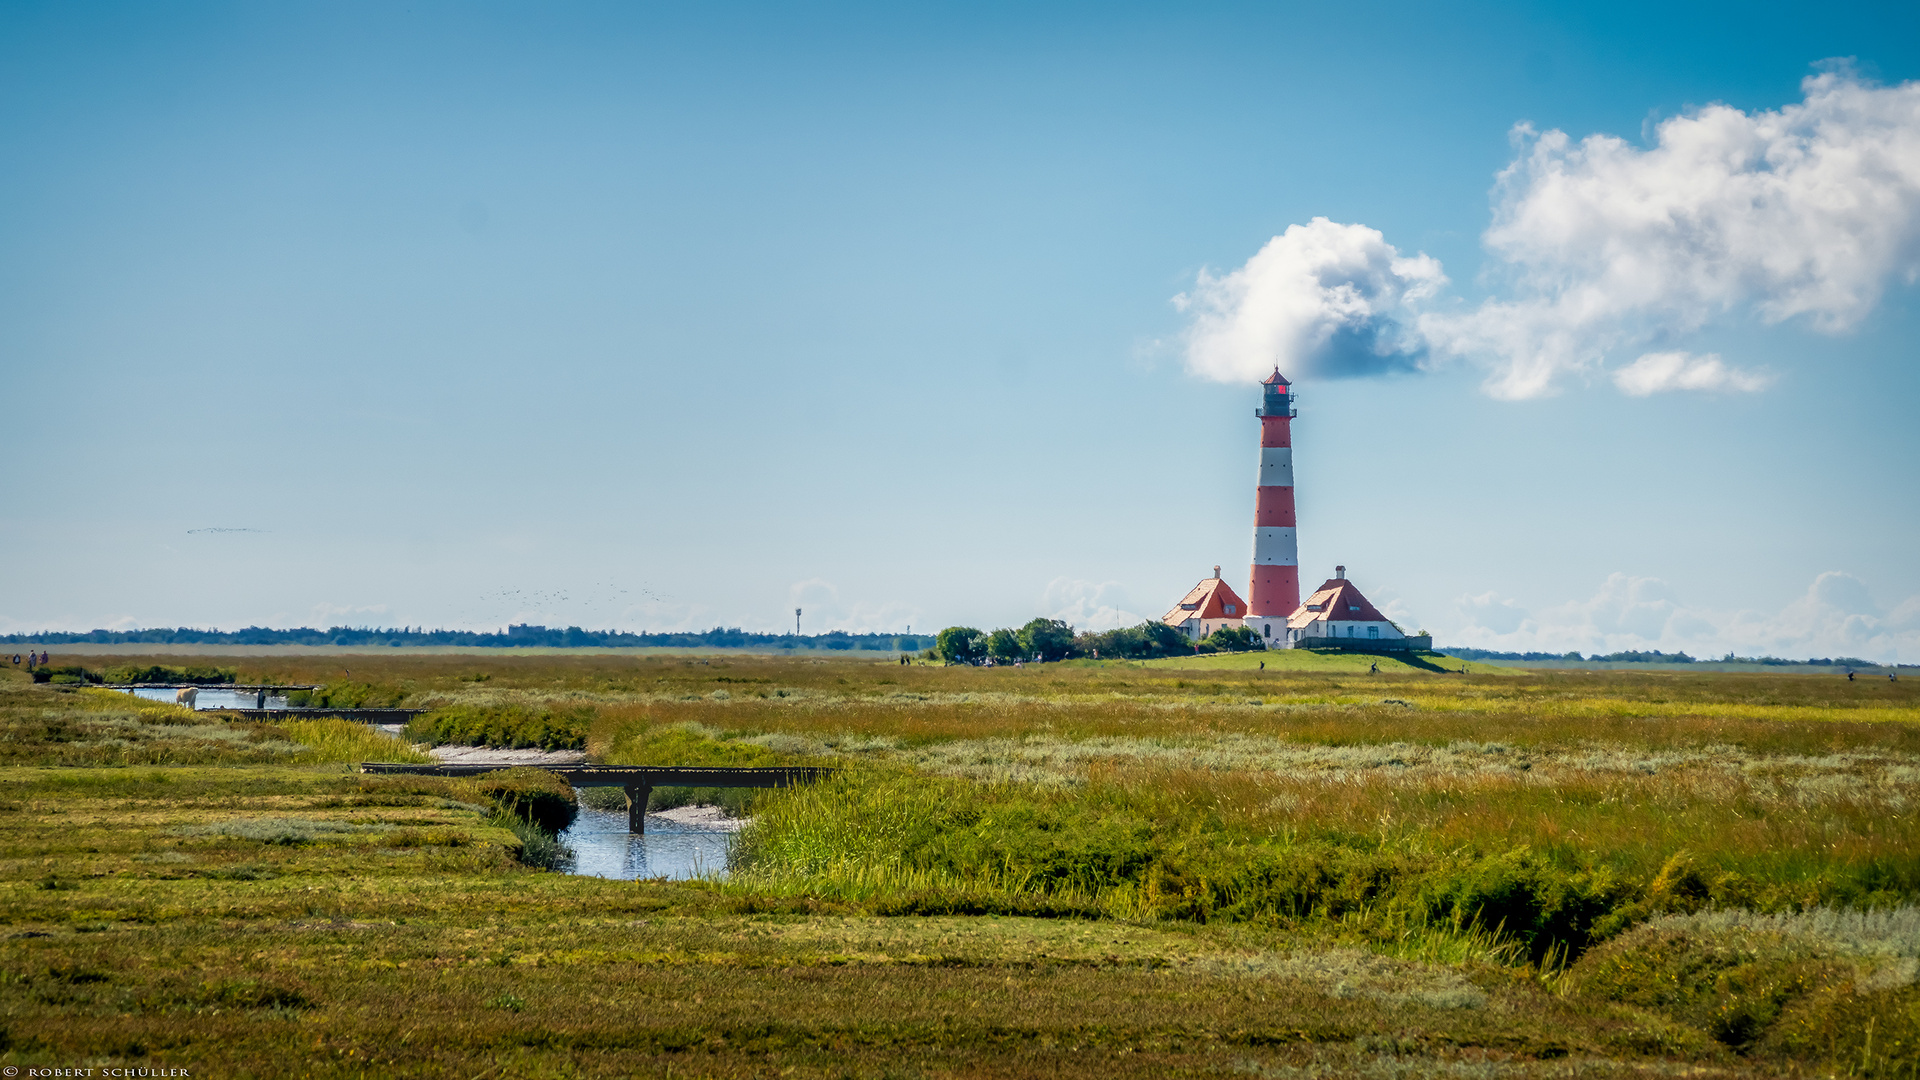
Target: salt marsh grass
x,y
345,741
1166,868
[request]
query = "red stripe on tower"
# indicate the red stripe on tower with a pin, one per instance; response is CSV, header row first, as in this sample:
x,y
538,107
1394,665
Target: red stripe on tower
x,y
1274,591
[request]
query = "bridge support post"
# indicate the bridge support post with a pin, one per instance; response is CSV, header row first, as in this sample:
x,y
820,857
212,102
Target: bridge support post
x,y
637,796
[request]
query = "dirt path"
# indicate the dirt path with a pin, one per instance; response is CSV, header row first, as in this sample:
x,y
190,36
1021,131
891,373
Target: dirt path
x,y
493,755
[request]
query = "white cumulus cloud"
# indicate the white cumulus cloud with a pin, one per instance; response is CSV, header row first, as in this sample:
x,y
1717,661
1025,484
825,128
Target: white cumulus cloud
x,y
1321,299
826,610
1600,246
1089,605
1661,371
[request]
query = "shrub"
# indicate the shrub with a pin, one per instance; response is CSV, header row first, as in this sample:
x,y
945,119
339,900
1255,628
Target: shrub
x,y
72,675
1004,645
1047,639
348,695
516,726
961,645
684,744
199,676
1233,639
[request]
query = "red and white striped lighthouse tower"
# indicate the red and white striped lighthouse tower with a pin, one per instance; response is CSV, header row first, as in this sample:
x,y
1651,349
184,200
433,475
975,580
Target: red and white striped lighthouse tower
x,y
1274,591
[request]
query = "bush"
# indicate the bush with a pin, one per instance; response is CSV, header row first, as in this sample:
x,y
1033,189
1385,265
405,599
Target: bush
x,y
198,676
348,695
1147,641
961,645
515,726
1548,908
65,676
684,744
1047,639
1233,639
1004,645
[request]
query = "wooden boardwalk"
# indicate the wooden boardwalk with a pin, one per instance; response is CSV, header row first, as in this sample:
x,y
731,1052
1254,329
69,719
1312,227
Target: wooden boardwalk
x,y
360,716
637,780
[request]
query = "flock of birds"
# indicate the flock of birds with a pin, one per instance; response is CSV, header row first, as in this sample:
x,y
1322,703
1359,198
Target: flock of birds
x,y
600,599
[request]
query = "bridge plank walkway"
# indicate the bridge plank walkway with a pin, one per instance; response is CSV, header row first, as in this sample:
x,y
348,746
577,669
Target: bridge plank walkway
x,y
637,780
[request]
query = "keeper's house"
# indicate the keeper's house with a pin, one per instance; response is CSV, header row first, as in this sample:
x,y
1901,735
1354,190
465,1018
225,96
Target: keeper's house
x,y
1337,616
1210,606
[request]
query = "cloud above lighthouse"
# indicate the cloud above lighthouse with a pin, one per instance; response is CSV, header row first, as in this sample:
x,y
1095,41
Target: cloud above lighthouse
x,y
1321,299
1600,252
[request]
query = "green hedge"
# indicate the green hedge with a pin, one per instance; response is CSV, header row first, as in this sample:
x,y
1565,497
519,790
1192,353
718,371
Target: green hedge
x,y
515,726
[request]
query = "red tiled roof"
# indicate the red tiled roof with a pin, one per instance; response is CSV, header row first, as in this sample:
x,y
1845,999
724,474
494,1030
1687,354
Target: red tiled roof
x,y
1208,600
1335,601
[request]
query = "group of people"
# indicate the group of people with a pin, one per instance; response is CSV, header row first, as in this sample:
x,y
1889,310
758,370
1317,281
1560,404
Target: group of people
x,y
33,661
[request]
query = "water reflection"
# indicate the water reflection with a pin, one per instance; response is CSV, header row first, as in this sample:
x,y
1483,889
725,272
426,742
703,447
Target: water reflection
x,y
603,847
213,697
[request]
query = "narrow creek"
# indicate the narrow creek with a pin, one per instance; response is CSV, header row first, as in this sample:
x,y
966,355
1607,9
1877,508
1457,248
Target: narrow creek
x,y
212,697
601,844
602,847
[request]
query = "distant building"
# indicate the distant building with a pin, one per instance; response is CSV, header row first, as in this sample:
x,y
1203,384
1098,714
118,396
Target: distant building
x,y
1210,606
1337,614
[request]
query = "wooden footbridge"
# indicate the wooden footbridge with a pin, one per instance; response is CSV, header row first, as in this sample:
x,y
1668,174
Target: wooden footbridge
x,y
261,691
637,780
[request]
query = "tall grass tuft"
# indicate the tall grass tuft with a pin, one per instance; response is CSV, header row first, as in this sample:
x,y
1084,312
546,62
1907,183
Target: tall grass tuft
x,y
332,739
538,848
515,726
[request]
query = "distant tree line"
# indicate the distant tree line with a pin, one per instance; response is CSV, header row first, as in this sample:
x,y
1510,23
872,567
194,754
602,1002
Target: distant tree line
x,y
1046,640
519,635
1654,656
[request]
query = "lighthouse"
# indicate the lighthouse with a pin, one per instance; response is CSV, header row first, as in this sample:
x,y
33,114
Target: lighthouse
x,y
1274,589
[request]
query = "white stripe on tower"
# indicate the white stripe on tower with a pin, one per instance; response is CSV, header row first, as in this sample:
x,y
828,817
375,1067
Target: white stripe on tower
x,y
1275,547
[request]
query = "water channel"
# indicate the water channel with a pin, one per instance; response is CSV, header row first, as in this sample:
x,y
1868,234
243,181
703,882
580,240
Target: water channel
x,y
600,841
213,697
602,847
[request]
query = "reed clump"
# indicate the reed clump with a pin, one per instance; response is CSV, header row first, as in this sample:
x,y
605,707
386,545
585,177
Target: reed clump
x,y
508,725
330,739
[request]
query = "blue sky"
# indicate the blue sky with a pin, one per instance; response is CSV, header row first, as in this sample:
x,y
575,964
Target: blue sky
x,y
672,317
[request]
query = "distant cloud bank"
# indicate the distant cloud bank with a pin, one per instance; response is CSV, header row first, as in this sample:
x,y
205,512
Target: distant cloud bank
x,y
1836,616
1601,248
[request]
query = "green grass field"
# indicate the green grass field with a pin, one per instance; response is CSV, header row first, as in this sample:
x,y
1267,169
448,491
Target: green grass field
x,y
1182,867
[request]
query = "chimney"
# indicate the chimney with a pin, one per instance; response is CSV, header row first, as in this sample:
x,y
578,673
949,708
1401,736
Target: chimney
x,y
1216,573
1339,573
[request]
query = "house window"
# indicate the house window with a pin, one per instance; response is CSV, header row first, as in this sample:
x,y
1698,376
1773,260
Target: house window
x,y
1266,629
1229,609
1349,631
1373,631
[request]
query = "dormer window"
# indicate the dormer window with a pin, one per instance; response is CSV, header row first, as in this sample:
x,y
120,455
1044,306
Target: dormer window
x,y
1229,608
1316,607
1189,607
